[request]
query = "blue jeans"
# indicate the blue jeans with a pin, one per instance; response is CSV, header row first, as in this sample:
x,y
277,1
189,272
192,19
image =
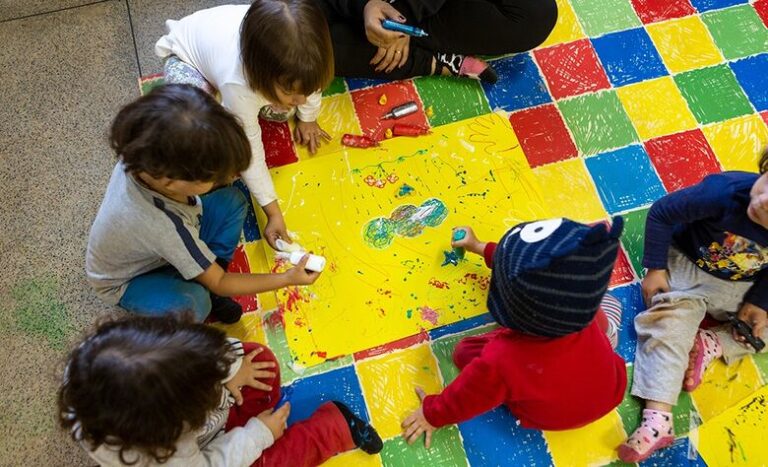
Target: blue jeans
x,y
163,290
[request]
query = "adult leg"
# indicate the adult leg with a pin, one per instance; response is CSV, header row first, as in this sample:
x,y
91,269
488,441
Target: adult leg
x,y
256,401
163,291
179,72
470,347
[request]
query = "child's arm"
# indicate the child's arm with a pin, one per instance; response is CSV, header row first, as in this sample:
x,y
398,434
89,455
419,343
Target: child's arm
x,y
471,243
227,284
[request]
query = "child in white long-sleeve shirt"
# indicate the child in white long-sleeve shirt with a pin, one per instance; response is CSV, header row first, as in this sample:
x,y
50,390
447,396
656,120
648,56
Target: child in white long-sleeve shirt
x,y
148,391
264,59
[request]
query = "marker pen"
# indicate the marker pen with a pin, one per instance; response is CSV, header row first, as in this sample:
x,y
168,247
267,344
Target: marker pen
x,y
404,28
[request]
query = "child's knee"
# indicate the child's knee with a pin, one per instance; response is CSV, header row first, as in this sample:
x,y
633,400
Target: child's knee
x,y
193,298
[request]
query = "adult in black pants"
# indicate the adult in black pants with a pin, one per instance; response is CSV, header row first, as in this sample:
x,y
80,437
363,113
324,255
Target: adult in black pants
x,y
458,29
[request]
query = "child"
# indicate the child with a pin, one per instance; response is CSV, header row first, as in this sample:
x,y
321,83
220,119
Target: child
x,y
156,246
267,58
550,362
148,391
705,250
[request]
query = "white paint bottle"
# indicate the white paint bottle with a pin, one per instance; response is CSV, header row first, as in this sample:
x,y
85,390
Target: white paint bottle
x,y
315,263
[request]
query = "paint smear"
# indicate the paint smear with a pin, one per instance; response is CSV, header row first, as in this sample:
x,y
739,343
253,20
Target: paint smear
x,y
406,221
40,313
404,190
429,314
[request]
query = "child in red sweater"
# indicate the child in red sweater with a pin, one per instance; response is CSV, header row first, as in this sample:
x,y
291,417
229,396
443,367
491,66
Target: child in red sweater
x,y
551,362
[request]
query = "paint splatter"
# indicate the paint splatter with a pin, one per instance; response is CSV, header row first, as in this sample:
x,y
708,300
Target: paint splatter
x,y
482,282
408,313
406,220
429,314
438,284
404,190
450,258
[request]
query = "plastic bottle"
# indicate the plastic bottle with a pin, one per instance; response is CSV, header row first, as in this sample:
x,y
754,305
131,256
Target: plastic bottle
x,y
315,263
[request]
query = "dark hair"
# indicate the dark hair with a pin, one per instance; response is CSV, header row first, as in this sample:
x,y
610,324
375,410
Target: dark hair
x,y
140,382
180,132
762,165
286,42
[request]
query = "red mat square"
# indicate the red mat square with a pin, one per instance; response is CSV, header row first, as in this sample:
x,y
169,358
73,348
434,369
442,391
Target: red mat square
x,y
622,271
278,143
369,110
682,159
571,69
651,11
543,135
761,6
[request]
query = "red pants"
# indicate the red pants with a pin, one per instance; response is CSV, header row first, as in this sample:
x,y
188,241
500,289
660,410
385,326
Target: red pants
x,y
304,444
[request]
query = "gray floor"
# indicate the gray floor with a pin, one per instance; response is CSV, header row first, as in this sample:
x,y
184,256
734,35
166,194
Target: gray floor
x,y
66,67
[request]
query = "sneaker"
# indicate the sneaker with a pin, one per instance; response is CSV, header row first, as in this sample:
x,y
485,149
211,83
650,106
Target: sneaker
x,y
225,309
363,434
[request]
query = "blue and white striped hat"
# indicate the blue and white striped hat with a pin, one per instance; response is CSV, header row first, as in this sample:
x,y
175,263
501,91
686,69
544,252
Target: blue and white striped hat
x,y
549,276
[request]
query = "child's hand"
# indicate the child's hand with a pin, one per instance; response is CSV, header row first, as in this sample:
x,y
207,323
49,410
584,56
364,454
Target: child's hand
x,y
755,317
298,275
416,424
249,374
275,229
276,419
310,134
655,281
469,242
374,13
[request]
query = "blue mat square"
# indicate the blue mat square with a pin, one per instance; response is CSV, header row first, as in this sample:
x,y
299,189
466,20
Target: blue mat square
x,y
625,178
706,5
631,298
629,57
307,394
520,84
360,83
250,226
752,74
495,439
675,455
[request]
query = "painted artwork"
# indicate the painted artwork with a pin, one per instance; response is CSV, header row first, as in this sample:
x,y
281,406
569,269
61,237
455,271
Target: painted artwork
x,y
382,217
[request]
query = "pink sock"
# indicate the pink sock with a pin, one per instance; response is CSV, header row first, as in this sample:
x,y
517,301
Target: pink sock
x,y
655,432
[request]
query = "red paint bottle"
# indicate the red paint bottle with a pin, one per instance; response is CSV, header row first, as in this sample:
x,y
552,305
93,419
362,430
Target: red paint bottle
x,y
358,141
400,129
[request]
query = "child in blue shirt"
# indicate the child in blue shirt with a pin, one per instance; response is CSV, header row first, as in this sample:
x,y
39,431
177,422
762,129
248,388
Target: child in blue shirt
x,y
706,250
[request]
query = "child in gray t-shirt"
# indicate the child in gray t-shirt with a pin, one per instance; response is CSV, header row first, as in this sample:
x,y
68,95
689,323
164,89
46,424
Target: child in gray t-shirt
x,y
159,243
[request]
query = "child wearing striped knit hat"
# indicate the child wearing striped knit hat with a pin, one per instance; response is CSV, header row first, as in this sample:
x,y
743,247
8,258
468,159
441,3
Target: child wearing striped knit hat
x,y
552,361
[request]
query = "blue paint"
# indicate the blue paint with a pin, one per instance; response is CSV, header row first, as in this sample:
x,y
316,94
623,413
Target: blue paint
x,y
629,57
340,385
251,226
362,83
706,5
461,326
450,257
404,190
751,74
494,438
631,298
520,84
621,188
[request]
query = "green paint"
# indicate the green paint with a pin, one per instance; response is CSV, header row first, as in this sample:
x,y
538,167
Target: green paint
x,y
337,86
630,408
451,99
443,350
633,238
408,313
598,122
761,361
602,16
446,450
737,31
713,94
39,313
278,343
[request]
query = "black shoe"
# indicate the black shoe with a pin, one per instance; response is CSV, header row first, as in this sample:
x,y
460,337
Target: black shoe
x,y
363,434
225,309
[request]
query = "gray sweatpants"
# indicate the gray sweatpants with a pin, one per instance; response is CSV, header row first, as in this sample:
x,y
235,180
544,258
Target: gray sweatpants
x,y
666,331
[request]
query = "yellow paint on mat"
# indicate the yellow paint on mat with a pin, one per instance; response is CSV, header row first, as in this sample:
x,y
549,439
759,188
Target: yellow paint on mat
x,y
567,28
569,191
356,458
249,329
738,142
725,385
594,444
656,108
407,194
684,44
388,385
737,436
337,116
257,262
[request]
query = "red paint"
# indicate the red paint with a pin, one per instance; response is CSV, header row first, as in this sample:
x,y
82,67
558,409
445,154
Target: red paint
x,y
572,69
278,144
358,141
239,264
392,346
682,159
299,322
294,296
320,354
369,112
761,6
651,11
438,284
543,135
400,129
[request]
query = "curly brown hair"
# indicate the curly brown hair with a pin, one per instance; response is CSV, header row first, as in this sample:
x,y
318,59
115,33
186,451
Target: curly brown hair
x,y
137,383
180,132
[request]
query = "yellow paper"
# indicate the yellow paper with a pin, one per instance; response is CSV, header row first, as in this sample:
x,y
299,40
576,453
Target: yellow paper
x,y
382,217
725,385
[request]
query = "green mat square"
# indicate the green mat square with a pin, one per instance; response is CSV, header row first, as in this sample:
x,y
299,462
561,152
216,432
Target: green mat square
x,y
738,31
761,361
633,238
337,86
446,450
598,122
713,94
602,16
443,350
451,99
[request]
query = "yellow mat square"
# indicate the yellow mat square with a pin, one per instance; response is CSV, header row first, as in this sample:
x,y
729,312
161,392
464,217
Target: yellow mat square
x,y
250,328
356,458
337,116
656,108
725,385
594,444
567,28
739,142
569,191
684,44
388,384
